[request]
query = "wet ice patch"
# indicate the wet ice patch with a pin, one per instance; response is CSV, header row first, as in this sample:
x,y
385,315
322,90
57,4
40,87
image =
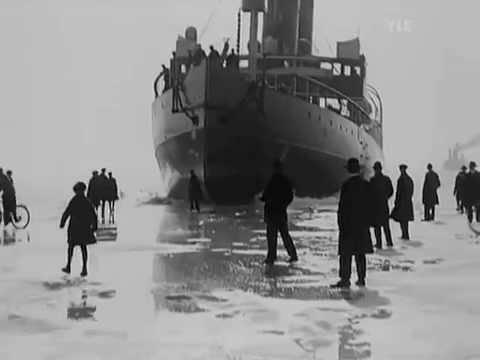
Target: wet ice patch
x,y
433,261
15,323
65,283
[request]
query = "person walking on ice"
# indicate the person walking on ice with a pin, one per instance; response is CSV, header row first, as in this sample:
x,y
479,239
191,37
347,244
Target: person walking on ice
x,y
81,227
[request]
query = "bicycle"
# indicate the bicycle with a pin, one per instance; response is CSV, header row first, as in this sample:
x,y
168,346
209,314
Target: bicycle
x,y
23,217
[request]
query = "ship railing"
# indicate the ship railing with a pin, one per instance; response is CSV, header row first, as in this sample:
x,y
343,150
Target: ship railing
x,y
314,91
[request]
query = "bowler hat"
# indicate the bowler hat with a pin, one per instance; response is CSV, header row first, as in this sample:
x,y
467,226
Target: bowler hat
x,y
353,165
403,167
377,165
473,164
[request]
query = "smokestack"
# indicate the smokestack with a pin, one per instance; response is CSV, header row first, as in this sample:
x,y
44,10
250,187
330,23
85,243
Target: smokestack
x,y
305,28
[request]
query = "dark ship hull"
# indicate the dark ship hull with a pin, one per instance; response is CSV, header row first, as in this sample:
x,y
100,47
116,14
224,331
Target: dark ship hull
x,y
232,148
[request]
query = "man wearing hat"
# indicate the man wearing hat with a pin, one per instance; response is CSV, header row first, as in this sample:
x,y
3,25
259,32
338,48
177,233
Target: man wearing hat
x,y
403,210
459,189
472,192
382,190
354,218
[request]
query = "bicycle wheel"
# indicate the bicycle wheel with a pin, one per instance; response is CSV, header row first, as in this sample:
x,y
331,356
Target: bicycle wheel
x,y
23,216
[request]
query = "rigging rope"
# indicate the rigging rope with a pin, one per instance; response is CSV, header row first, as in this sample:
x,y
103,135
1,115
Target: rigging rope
x,y
210,18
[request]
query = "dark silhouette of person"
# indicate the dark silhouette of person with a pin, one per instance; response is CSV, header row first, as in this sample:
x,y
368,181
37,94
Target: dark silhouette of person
x,y
381,191
472,192
224,53
403,209
459,189
9,198
81,227
277,196
429,193
354,217
112,197
103,190
92,193
233,61
194,191
214,57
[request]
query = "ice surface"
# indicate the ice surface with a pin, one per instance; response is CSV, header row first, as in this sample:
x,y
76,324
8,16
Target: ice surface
x,y
176,285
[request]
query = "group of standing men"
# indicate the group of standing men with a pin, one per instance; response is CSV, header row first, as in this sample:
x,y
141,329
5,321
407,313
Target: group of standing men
x,y
103,189
363,204
9,198
467,191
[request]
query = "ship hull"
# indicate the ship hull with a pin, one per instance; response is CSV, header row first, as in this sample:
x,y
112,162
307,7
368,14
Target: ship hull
x,y
233,151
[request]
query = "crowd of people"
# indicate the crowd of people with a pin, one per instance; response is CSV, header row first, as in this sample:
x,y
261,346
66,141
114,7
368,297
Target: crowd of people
x,y
467,191
103,190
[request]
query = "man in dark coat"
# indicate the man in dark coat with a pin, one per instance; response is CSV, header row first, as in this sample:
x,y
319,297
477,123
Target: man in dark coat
x,y
459,189
381,191
278,194
354,218
194,191
81,227
472,192
93,190
403,209
9,199
429,193
112,197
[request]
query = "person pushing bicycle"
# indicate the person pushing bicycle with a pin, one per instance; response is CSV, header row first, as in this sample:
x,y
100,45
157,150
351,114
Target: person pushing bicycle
x,y
9,198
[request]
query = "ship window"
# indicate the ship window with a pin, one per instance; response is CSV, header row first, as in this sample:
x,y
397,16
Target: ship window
x,y
337,69
322,102
347,70
357,71
326,66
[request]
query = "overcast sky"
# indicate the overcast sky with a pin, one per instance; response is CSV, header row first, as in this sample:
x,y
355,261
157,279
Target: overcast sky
x,y
76,76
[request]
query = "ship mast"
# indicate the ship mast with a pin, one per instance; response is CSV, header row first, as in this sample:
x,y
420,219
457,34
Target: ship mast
x,y
254,7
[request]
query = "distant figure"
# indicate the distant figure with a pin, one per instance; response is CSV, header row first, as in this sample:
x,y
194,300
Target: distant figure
x,y
93,191
112,197
381,191
354,218
214,57
224,53
403,209
103,190
472,192
277,195
81,227
459,189
430,196
194,191
233,61
9,198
